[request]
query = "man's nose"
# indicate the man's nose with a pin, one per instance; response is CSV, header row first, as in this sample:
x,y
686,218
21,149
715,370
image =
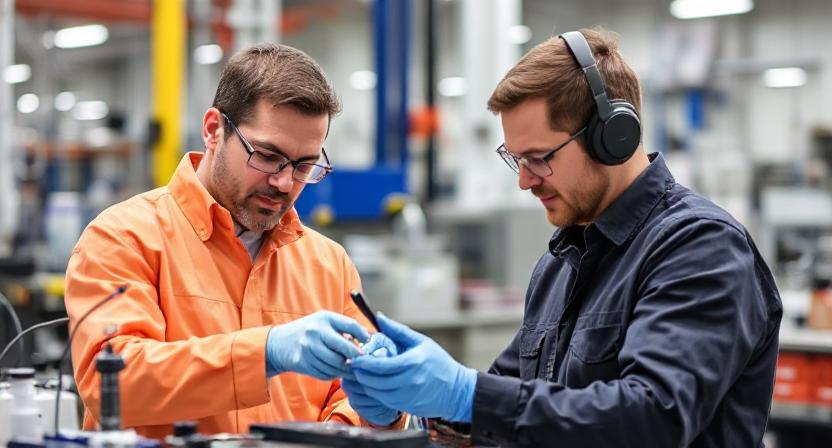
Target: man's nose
x,y
283,180
526,179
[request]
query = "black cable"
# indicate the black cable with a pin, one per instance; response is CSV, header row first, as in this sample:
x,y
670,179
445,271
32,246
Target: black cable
x,y
8,305
119,291
29,330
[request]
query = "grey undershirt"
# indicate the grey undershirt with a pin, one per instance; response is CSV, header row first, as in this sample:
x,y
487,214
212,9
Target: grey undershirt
x,y
251,240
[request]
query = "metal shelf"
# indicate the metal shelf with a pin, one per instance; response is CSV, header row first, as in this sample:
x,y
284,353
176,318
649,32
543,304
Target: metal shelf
x,y
466,319
805,340
804,414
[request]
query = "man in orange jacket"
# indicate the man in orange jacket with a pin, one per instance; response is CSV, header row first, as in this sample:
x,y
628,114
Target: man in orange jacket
x,y
235,311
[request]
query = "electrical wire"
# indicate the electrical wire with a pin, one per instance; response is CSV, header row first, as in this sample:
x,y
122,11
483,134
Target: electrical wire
x,y
8,305
120,290
29,330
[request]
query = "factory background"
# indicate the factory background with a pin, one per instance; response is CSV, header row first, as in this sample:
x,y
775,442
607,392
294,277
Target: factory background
x,y
99,99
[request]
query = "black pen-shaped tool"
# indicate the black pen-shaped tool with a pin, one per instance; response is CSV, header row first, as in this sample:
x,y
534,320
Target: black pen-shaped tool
x,y
359,301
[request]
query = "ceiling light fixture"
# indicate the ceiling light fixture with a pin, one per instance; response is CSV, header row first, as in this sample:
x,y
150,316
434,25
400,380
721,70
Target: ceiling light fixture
x,y
17,73
453,86
208,54
81,36
784,77
90,110
519,34
28,103
363,80
64,101
695,9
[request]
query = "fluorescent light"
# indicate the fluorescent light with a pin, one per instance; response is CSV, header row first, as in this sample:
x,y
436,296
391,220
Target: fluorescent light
x,y
784,77
453,86
48,39
694,9
90,110
519,34
208,54
17,73
363,80
64,101
28,103
81,36
99,136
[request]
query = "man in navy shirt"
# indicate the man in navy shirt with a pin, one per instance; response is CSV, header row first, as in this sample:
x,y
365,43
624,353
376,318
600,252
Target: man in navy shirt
x,y
650,320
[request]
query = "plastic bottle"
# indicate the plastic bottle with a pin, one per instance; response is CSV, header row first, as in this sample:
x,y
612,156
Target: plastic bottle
x,y
63,222
5,413
45,399
26,423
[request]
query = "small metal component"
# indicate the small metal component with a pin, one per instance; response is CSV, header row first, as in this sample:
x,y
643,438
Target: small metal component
x,y
184,428
108,365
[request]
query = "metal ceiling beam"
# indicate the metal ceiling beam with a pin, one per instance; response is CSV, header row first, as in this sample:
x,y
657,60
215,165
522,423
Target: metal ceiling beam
x,y
8,187
138,11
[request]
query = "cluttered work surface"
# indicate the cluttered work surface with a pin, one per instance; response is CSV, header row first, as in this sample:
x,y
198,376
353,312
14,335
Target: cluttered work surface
x,y
338,435
284,434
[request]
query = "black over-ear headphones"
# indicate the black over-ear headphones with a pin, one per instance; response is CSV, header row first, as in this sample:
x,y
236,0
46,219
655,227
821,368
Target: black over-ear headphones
x,y
614,129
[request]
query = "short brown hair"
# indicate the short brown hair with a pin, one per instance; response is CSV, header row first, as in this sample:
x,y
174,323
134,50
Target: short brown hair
x,y
279,73
550,71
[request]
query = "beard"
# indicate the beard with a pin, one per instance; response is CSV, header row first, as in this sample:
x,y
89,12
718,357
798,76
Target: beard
x,y
582,206
242,206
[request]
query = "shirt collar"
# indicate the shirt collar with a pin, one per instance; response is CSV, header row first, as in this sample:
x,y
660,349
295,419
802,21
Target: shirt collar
x,y
620,221
241,231
204,213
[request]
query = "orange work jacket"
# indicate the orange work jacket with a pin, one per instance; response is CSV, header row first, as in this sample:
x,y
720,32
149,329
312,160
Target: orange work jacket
x,y
192,324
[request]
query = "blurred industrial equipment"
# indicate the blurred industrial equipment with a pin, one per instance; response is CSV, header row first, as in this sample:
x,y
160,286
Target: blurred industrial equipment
x,y
408,275
99,99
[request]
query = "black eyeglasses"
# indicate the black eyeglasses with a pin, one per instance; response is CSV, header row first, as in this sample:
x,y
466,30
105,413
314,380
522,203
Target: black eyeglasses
x,y
272,163
537,165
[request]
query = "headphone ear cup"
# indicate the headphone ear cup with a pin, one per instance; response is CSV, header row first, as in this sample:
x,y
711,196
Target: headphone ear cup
x,y
593,137
616,139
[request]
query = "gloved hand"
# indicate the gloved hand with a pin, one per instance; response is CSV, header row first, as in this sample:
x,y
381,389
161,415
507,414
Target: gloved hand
x,y
367,407
380,346
313,345
422,379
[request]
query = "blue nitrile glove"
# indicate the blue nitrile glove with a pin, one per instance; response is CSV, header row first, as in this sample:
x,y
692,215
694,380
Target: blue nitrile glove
x,y
367,407
422,379
313,345
380,346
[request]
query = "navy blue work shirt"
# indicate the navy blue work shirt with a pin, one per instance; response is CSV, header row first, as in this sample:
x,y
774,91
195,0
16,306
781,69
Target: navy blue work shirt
x,y
654,326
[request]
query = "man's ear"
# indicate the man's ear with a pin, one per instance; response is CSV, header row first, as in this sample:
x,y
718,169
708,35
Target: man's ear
x,y
212,128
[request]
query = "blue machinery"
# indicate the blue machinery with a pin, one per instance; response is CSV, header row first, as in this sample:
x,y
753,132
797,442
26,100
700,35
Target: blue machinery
x,y
363,194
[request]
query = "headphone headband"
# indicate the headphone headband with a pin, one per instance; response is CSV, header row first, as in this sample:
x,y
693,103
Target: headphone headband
x,y
613,128
579,48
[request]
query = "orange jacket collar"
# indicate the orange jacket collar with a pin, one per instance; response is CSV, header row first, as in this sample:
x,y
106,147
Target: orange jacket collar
x,y
204,212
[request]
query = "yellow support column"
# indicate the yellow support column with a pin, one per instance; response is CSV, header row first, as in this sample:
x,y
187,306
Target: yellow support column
x,y
169,64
